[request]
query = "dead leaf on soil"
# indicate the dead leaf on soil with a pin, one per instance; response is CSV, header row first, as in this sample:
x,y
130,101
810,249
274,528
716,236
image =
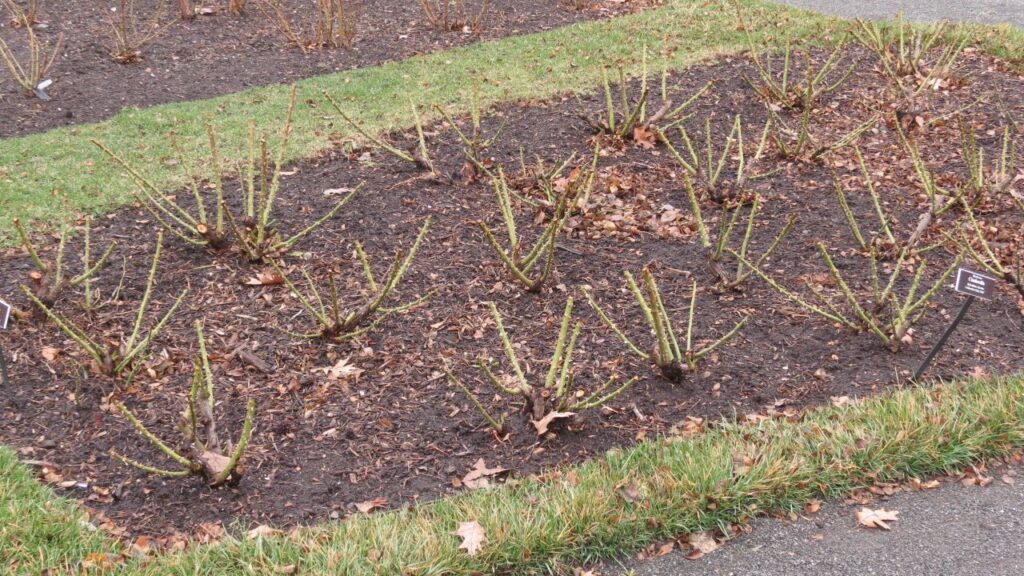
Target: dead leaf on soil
x,y
371,505
208,532
261,531
51,475
265,278
840,401
342,370
478,476
687,428
473,536
142,546
644,137
542,424
880,518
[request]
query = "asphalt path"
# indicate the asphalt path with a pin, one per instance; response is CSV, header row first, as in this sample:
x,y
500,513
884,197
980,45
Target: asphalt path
x,y
987,11
952,530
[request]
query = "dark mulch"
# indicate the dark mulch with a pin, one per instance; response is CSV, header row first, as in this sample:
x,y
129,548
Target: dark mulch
x,y
395,428
220,53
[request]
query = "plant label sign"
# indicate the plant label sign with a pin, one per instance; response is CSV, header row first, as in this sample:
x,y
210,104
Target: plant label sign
x,y
975,284
5,314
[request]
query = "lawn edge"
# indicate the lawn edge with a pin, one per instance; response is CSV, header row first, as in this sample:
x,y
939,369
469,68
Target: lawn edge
x,y
654,492
600,510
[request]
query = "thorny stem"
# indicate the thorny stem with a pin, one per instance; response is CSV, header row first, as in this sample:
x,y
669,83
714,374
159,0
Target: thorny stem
x,y
497,425
243,442
145,433
378,142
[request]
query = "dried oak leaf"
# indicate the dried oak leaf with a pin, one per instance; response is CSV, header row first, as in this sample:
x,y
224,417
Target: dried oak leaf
x,y
644,137
99,560
543,424
917,484
209,532
478,476
880,518
265,278
703,541
371,505
261,531
142,546
342,370
473,536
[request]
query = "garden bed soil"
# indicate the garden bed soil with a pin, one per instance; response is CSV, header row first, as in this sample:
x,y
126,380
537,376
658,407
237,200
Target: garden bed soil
x,y
386,424
218,53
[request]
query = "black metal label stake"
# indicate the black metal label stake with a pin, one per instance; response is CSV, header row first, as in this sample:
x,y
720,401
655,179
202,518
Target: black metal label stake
x,y
975,286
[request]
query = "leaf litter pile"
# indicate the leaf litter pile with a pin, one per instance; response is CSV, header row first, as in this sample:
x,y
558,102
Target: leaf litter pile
x,y
374,421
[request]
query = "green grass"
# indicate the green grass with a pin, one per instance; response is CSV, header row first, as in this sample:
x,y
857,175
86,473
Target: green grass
x,y
38,530
581,516
34,168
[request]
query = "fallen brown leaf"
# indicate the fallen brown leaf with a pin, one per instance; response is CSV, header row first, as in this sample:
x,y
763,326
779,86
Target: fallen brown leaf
x,y
629,492
703,541
916,484
880,518
478,476
644,137
99,560
142,546
261,531
473,536
208,532
342,370
839,401
265,278
542,424
371,505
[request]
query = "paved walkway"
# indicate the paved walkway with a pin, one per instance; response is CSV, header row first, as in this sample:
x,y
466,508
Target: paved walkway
x,y
988,11
950,531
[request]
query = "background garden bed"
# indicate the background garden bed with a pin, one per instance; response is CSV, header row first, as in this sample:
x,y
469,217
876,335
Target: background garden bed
x,y
217,53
